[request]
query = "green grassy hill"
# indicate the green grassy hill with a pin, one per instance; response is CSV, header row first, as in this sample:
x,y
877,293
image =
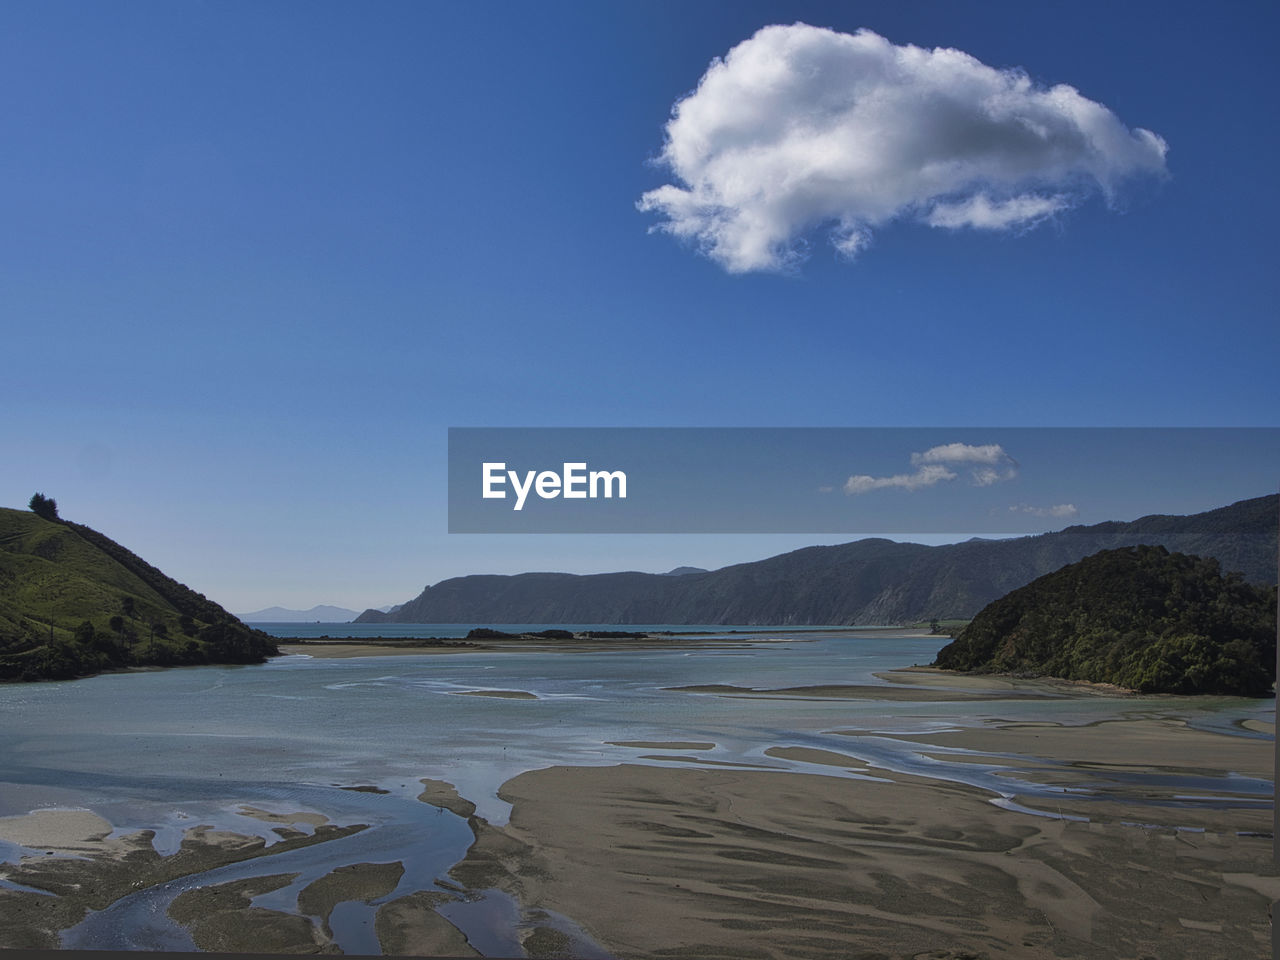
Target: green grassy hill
x,y
73,602
1138,617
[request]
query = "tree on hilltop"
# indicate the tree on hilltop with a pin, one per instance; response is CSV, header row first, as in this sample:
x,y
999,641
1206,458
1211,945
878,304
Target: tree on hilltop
x,y
43,506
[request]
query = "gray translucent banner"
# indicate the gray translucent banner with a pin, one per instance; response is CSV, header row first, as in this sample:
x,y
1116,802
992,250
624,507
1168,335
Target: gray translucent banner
x,y
846,480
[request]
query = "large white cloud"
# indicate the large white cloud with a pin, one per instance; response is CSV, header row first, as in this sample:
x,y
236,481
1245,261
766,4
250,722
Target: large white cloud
x,y
801,127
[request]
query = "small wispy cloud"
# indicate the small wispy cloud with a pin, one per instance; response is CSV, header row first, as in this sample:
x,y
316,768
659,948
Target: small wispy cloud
x,y
983,213
800,128
989,464
924,477
1059,511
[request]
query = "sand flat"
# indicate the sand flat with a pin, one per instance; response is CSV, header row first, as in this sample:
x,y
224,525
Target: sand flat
x,y
1155,743
66,831
761,863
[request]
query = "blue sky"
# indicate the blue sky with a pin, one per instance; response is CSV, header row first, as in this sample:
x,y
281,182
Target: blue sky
x,y
257,259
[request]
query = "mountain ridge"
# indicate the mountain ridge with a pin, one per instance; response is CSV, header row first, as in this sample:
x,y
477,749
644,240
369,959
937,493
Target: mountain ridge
x,y
869,581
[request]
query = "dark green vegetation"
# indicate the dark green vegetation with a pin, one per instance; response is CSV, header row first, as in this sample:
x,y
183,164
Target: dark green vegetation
x,y
43,506
73,603
1138,617
865,582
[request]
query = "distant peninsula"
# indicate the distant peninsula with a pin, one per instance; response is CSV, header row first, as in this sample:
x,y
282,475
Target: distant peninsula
x,y
74,602
866,582
322,613
1141,617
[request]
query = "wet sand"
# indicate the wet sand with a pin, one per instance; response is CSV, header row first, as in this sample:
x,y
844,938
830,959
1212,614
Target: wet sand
x,y
658,862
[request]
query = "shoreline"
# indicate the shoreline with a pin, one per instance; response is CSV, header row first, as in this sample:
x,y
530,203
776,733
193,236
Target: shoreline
x,y
833,856
346,647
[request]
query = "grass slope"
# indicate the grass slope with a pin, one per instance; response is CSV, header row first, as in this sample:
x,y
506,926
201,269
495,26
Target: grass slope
x,y
74,602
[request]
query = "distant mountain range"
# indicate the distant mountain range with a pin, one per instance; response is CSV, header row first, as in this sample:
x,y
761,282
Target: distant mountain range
x,y
321,613
871,581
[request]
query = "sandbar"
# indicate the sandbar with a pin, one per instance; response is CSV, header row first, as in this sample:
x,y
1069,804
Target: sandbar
x,y
500,694
66,831
298,816
337,650
865,691
1160,743
664,744
958,681
813,755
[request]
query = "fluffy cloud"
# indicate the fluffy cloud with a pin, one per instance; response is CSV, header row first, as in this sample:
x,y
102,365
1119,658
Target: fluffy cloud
x,y
800,128
991,454
989,464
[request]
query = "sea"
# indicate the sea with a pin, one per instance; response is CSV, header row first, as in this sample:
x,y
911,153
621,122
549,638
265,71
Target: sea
x,y
165,750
